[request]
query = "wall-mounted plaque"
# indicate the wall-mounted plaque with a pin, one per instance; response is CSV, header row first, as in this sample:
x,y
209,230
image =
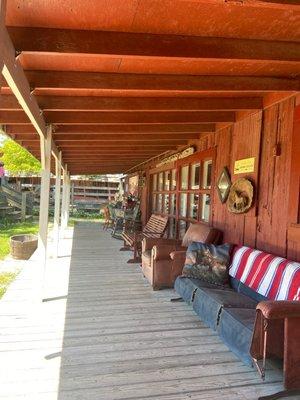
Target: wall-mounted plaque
x,y
245,165
223,185
174,157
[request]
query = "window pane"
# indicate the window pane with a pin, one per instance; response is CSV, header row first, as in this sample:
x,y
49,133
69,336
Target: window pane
x,y
207,168
173,204
205,212
183,205
166,204
181,228
173,179
172,228
195,176
159,203
194,204
167,180
153,202
184,177
154,185
160,181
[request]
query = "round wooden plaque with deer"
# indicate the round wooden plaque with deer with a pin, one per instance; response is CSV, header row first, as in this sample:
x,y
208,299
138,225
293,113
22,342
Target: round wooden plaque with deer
x,y
240,196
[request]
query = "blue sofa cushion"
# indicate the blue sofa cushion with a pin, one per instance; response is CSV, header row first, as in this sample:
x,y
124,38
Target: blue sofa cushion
x,y
186,287
251,293
209,302
235,328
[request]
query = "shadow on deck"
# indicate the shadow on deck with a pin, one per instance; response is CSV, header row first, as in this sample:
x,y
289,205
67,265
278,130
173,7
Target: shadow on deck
x,y
124,341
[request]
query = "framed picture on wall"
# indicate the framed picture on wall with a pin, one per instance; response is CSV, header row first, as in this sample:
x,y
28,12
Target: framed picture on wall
x,y
223,185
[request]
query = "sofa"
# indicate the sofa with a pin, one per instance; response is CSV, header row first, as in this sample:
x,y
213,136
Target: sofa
x,y
258,314
162,259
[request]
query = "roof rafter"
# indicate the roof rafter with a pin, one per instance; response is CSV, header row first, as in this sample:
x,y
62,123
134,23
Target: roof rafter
x,y
119,129
81,103
103,118
148,82
150,45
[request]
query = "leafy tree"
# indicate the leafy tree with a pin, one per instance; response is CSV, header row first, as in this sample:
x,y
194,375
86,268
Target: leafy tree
x,y
18,160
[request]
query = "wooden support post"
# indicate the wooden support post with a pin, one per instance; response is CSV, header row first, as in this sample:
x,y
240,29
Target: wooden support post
x,y
23,206
57,203
72,198
64,201
45,191
68,199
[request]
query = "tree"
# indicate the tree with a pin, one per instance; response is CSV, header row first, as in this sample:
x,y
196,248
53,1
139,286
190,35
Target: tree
x,y
18,160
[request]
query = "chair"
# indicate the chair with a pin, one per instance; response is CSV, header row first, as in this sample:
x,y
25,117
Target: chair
x,y
163,259
107,219
126,220
154,229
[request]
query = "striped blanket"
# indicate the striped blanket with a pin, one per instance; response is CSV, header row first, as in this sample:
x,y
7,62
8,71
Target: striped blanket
x,y
273,277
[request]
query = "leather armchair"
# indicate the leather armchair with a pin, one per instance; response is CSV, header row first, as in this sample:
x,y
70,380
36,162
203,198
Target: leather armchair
x,y
163,259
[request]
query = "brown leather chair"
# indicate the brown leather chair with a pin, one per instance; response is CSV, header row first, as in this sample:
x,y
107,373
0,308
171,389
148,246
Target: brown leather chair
x,y
163,259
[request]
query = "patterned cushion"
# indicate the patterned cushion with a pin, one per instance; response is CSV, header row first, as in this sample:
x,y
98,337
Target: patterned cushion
x,y
207,262
273,277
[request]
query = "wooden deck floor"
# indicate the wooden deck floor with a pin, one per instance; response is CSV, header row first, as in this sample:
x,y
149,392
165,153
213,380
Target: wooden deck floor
x,y
104,334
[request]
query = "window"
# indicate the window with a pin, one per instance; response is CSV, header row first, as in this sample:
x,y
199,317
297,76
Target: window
x,y
183,204
166,204
159,203
167,180
195,176
173,179
163,193
160,181
184,177
207,168
205,207
187,200
173,204
194,205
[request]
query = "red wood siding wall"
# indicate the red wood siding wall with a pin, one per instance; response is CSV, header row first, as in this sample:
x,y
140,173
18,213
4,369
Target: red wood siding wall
x,y
266,225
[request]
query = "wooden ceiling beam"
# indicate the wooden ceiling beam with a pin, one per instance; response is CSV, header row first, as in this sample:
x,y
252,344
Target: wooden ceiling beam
x,y
112,137
108,147
104,118
82,103
119,129
148,82
102,157
119,142
32,39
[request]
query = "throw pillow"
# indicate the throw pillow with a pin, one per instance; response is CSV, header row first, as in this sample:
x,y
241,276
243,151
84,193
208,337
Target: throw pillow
x,y
207,262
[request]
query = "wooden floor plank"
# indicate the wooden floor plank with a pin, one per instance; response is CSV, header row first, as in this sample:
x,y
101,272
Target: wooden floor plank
x,y
104,334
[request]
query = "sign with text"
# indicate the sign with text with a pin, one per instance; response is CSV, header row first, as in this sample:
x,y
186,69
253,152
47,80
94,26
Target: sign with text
x,y
244,166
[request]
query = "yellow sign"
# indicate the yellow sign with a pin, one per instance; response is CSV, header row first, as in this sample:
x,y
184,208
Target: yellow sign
x,y
244,166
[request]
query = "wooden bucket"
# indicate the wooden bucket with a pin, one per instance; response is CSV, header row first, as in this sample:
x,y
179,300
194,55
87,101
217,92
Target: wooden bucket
x,y
23,246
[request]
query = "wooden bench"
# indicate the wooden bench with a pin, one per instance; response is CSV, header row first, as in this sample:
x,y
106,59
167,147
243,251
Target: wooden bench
x,y
155,228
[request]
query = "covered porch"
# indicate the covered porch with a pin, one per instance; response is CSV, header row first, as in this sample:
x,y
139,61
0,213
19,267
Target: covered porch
x,y
172,94
102,333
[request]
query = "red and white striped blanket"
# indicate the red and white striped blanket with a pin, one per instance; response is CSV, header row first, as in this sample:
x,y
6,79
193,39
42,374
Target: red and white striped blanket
x,y
273,277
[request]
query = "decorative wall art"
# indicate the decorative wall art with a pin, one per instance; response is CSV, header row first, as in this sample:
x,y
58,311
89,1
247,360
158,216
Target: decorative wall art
x,y
174,157
223,185
240,196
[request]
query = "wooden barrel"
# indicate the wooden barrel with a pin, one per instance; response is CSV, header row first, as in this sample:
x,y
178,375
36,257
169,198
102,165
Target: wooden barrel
x,y
23,246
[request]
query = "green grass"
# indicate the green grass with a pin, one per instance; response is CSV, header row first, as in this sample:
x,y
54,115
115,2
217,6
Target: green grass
x,y
5,279
9,229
